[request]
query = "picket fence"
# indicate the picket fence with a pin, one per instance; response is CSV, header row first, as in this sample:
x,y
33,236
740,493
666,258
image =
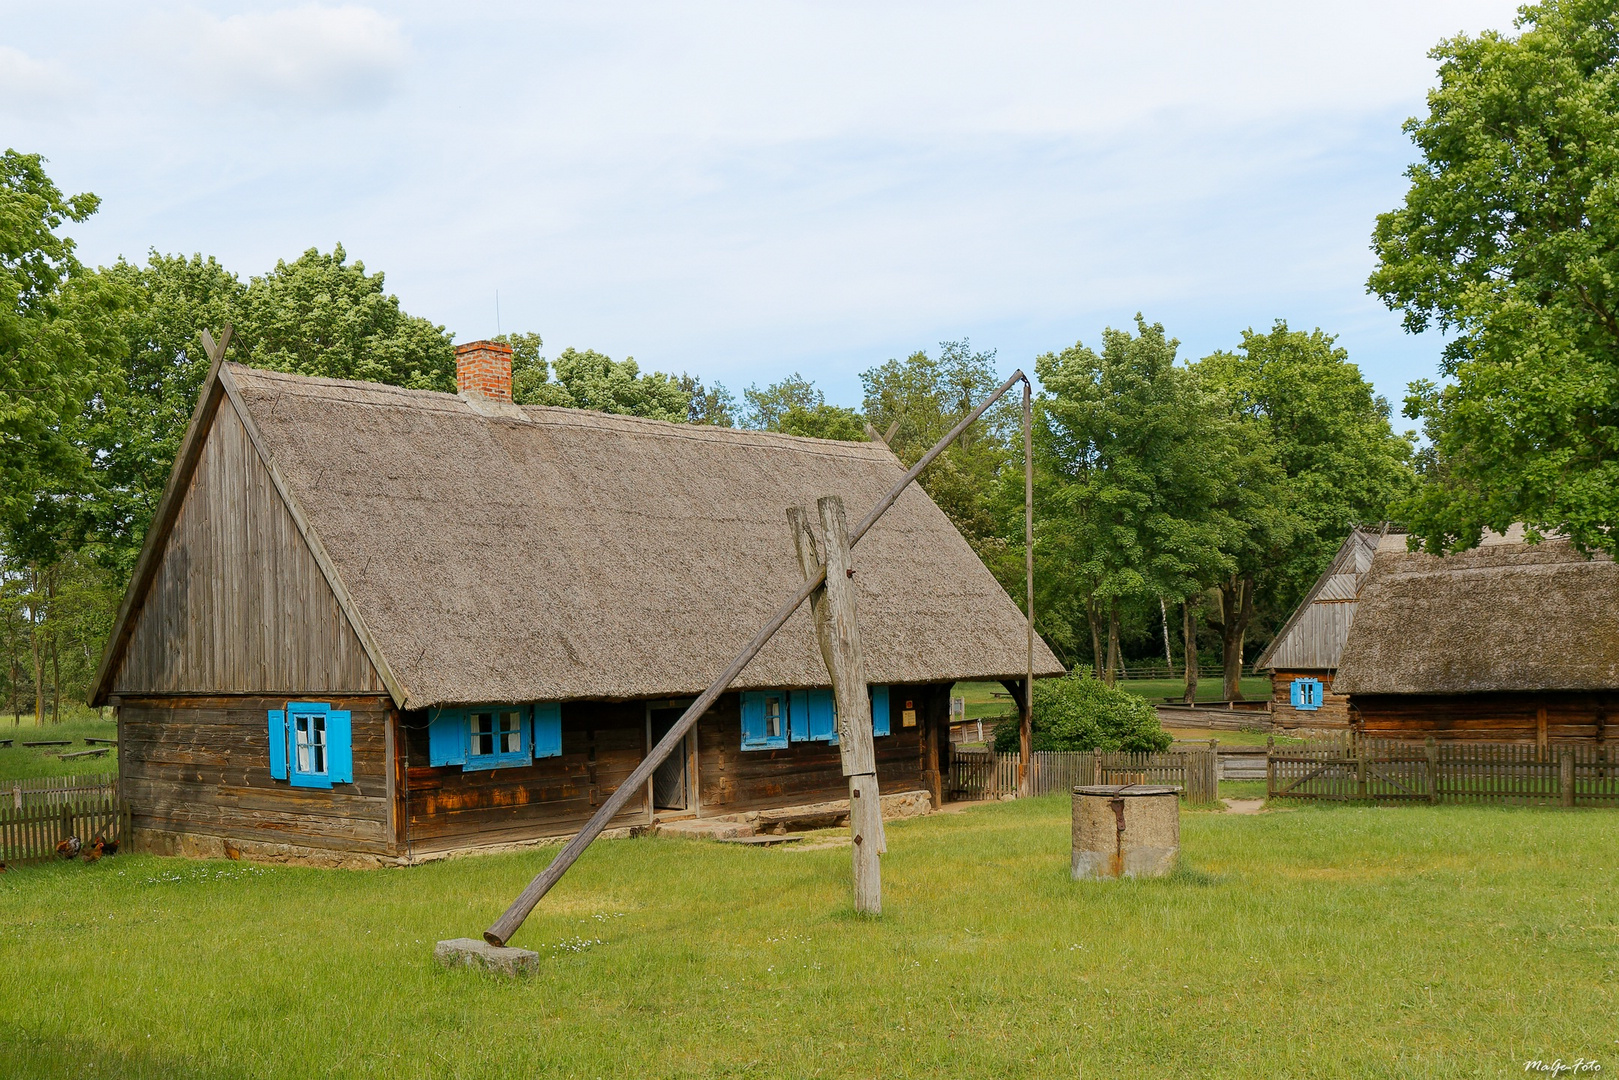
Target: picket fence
x,y
983,775
1448,771
41,813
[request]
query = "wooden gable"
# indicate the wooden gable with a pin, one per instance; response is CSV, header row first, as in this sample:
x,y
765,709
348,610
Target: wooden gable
x,y
237,602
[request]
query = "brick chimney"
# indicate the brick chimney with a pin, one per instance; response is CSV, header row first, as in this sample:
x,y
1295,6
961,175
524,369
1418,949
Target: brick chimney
x,y
484,368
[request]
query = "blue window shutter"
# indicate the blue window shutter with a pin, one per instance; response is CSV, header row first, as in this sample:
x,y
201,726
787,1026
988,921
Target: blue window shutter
x,y
278,744
1296,692
822,726
339,747
753,720
798,727
879,710
548,730
447,738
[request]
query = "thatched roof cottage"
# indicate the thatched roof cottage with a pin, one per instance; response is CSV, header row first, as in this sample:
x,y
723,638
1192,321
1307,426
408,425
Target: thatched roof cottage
x,y
378,624
1303,656
1507,641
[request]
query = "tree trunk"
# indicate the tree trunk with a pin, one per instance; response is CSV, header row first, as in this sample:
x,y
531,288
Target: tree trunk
x,y
56,657
1169,657
33,639
1237,604
1112,641
1096,636
1189,636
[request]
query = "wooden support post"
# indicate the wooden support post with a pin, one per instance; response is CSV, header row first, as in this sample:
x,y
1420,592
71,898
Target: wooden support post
x,y
838,630
1026,724
1540,731
1432,749
1566,775
1270,767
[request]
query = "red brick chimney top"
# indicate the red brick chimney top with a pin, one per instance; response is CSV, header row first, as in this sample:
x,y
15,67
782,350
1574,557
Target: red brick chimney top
x,y
484,368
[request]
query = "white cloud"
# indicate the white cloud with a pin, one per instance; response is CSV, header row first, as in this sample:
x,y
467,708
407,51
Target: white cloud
x,y
28,85
311,56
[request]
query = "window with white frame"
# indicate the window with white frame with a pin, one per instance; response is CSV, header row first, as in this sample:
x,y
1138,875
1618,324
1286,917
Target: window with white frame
x,y
309,744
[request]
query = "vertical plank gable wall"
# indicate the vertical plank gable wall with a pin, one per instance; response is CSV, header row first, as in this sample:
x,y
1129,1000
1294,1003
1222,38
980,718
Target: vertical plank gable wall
x,y
238,604
238,620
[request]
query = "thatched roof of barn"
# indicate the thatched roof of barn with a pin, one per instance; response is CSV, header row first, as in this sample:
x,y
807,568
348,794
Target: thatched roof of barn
x,y
1503,616
534,553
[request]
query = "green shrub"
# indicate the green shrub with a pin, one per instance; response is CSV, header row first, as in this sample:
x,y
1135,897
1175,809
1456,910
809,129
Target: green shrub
x,y
1081,713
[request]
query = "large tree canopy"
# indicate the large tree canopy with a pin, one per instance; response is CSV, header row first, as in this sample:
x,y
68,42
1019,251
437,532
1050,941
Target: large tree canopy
x,y
58,327
1509,240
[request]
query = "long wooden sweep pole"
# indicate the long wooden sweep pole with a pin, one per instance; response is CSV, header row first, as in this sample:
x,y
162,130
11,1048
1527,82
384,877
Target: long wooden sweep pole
x,y
512,919
1026,726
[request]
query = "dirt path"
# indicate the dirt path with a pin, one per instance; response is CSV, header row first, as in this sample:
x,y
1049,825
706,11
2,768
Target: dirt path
x,y
1244,806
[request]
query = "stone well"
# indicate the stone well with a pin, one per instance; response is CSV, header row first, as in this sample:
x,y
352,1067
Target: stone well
x,y
1125,830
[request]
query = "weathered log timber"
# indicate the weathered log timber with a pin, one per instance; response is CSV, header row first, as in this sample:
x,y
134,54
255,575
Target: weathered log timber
x,y
376,625
1509,641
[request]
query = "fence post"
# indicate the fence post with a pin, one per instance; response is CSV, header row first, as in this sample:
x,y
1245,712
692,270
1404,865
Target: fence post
x,y
1566,772
1360,771
1270,767
1432,750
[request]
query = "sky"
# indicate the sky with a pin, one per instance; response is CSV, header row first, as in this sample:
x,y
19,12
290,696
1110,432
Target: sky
x,y
747,190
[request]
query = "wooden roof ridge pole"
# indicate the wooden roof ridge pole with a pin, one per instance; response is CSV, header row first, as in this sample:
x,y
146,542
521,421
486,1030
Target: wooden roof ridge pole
x,y
837,629
1026,726
512,919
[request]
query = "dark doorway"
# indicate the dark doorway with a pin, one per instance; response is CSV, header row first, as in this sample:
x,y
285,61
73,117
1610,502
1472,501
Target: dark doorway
x,y
669,786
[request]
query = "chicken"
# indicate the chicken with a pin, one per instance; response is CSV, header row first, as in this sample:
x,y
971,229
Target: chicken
x,y
107,847
91,854
69,847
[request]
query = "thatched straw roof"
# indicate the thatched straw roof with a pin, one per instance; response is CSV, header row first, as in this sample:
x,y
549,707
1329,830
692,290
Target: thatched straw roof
x,y
532,553
1503,616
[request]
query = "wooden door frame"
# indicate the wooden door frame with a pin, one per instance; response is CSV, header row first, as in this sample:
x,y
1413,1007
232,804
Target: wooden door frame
x,y
694,802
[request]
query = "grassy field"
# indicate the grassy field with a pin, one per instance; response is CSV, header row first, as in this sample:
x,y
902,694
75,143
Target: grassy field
x,y
1321,942
18,761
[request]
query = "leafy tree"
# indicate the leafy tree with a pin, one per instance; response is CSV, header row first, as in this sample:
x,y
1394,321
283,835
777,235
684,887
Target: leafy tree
x,y
1136,458
590,380
712,405
1508,239
795,406
137,423
1080,713
914,402
58,327
322,315
1317,455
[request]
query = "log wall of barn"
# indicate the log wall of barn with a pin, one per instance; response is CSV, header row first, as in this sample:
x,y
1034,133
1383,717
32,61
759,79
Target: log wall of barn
x,y
1332,715
448,807
1527,717
195,772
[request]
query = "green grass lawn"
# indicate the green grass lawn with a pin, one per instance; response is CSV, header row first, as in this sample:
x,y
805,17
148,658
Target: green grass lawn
x,y
1341,941
18,761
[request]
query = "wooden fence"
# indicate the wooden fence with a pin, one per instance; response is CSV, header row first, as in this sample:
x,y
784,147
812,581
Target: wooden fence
x,y
984,775
1566,774
56,790
40,813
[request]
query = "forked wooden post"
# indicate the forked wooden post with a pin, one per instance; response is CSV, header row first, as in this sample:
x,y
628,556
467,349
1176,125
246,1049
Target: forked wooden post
x,y
838,630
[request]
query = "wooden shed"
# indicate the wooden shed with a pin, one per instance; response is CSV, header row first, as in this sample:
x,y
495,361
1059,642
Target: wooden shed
x,y
1509,641
374,625
1303,656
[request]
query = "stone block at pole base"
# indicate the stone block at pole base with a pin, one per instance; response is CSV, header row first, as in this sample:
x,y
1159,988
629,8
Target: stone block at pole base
x,y
475,953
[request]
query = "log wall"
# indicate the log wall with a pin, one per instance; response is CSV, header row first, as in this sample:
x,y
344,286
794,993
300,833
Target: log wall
x,y
1332,715
1534,717
238,604
733,780
196,775
449,808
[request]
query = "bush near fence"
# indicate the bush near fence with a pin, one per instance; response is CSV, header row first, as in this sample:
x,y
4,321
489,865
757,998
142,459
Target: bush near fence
x,y
1444,771
982,775
38,813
